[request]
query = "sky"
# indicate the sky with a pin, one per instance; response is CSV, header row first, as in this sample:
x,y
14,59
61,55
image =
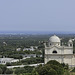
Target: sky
x,y
37,15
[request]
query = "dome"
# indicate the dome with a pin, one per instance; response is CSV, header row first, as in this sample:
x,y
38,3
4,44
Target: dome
x,y
54,39
70,41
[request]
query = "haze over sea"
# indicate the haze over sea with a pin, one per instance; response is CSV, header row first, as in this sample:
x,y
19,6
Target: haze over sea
x,y
35,32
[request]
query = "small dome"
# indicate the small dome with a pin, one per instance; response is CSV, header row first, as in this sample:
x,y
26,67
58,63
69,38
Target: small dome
x,y
54,39
70,40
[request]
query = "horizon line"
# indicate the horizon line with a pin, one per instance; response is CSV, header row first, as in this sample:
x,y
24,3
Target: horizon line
x,y
37,32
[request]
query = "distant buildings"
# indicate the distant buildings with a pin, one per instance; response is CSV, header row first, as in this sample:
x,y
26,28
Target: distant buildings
x,y
7,60
4,43
10,60
31,55
32,48
18,49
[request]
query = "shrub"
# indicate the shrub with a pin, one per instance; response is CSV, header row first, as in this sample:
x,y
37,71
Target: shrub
x,y
51,68
0,71
8,71
52,72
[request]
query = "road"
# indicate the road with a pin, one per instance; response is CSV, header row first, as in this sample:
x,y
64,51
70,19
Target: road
x,y
24,65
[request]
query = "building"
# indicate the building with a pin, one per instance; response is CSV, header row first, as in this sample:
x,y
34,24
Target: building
x,y
29,49
29,55
18,49
55,51
8,60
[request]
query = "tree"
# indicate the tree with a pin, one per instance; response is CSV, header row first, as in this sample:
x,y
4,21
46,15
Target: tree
x,y
66,72
65,66
8,64
0,71
28,69
52,72
58,69
3,67
19,71
43,70
52,67
8,71
54,62
34,72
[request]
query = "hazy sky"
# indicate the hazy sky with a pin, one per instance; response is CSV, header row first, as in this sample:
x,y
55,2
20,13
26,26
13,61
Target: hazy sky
x,y
37,15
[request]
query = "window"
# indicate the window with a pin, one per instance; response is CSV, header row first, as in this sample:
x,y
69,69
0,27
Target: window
x,y
54,51
70,44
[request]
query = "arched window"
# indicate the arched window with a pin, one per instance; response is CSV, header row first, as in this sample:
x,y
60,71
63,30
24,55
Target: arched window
x,y
70,44
50,43
54,51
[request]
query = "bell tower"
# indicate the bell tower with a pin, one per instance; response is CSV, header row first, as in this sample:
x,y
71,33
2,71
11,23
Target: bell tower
x,y
70,43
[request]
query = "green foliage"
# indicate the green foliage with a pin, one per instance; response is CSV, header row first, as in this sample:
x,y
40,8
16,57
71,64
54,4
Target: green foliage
x,y
34,72
52,72
73,70
18,41
0,71
8,64
41,46
58,69
44,70
27,74
8,71
3,67
66,72
26,69
52,67
19,71
65,66
54,62
32,60
27,61
4,70
56,66
16,56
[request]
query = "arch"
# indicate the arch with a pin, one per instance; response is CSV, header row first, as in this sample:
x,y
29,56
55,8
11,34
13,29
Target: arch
x,y
50,43
54,52
70,44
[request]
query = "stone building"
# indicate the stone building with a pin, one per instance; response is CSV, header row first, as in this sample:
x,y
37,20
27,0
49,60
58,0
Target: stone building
x,y
55,51
8,60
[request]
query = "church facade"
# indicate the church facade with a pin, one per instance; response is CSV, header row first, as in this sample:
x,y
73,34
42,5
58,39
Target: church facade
x,y
55,51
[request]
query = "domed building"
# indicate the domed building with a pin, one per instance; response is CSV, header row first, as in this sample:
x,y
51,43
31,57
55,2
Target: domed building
x,y
55,51
54,40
